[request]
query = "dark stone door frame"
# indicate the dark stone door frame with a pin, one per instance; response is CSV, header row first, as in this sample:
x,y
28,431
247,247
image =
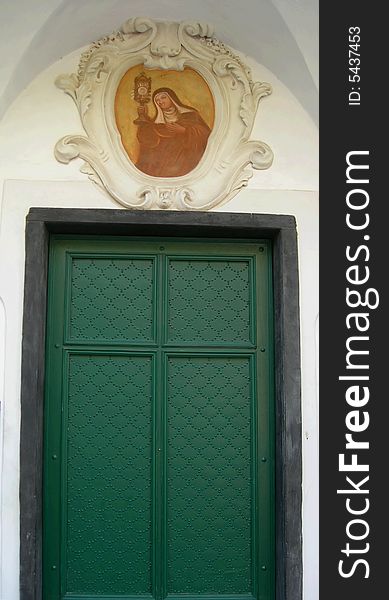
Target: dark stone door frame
x,y
41,222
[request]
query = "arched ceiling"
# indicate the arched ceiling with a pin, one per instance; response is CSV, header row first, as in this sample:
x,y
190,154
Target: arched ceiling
x,y
280,34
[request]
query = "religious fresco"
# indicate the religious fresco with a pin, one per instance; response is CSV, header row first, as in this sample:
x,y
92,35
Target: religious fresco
x,y
164,119
168,112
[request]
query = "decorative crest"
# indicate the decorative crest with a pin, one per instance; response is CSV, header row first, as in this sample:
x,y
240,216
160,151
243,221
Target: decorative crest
x,y
168,111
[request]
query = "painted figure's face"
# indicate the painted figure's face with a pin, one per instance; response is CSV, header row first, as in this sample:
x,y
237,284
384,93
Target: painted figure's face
x,y
163,101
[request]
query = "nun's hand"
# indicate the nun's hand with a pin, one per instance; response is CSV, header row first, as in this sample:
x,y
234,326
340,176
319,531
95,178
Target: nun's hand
x,y
142,111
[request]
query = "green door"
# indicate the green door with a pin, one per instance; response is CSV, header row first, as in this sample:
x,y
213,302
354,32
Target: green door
x,y
159,434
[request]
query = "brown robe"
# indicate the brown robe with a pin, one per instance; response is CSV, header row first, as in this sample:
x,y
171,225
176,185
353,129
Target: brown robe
x,y
166,154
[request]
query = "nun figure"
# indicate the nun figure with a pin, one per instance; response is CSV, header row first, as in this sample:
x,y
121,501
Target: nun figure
x,y
171,144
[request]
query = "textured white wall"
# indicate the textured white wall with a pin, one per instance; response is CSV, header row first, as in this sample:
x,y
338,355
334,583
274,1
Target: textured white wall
x,y
30,176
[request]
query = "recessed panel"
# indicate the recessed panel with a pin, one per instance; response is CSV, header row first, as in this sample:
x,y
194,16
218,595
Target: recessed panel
x,y
112,300
108,489
209,478
209,301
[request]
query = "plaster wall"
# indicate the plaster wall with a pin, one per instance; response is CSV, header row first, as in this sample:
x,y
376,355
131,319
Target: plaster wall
x,y
30,176
279,33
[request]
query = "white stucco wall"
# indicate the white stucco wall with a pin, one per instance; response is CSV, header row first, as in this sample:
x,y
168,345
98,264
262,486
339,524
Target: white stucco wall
x,y
282,34
30,176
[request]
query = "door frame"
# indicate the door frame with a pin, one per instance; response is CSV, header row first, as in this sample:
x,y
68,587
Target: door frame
x,y
281,229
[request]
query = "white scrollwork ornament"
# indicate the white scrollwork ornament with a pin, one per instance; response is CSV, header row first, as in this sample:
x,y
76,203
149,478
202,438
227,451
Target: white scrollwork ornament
x,y
225,166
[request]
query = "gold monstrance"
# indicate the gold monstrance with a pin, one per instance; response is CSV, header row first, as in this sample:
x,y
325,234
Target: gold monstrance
x,y
142,89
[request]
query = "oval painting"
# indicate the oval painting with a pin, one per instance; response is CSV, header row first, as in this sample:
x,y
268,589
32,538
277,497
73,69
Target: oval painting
x,y
164,119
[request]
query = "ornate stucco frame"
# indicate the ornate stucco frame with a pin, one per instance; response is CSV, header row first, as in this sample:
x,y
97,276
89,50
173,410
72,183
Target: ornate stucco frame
x,y
227,163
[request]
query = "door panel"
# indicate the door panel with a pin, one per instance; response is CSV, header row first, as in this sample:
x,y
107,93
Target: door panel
x,y
209,301
108,444
158,405
209,484
111,299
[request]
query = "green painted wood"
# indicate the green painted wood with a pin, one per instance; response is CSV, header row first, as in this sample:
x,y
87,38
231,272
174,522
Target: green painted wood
x,y
100,290
108,443
208,301
209,483
159,423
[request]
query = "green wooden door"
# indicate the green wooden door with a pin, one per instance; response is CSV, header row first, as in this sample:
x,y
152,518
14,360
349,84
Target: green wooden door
x,y
158,456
